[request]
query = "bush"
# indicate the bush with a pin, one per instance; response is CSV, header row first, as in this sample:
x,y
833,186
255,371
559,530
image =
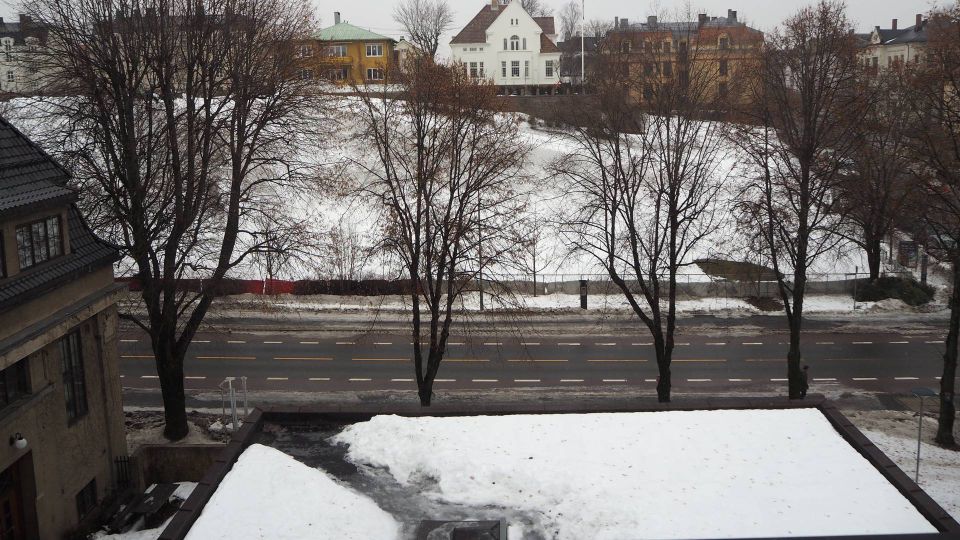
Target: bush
x,y
908,290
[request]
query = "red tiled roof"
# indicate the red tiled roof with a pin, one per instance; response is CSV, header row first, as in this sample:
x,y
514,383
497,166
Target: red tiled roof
x,y
476,30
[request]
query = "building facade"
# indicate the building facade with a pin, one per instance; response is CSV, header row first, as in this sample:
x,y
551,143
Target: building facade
x,y
347,55
507,46
19,61
884,48
61,417
713,56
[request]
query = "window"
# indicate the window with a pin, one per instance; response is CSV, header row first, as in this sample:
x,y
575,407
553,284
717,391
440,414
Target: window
x,y
374,49
625,47
374,74
87,499
503,69
337,51
504,43
515,68
524,43
74,383
14,383
514,43
473,49
549,68
474,70
39,242
306,51
306,74
338,74
526,68
668,69
9,76
667,46
481,71
724,43
723,67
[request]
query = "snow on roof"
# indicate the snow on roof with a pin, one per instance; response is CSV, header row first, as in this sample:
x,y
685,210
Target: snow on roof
x,y
268,494
699,474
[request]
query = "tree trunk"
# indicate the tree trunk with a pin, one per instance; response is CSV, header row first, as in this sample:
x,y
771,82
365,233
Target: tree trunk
x,y
948,379
170,372
874,258
664,382
794,373
425,391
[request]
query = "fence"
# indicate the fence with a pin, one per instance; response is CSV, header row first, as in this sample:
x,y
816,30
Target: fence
x,y
688,285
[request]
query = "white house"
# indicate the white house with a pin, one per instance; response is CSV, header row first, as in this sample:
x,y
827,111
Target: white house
x,y
19,44
886,47
504,44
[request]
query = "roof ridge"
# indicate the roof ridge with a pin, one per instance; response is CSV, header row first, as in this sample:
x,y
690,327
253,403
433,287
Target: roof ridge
x,y
35,146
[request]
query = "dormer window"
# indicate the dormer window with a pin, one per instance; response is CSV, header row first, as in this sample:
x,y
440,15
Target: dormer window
x,y
39,241
514,43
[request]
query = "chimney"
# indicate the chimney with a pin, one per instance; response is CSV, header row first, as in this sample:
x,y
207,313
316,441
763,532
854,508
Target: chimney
x,y
652,20
336,17
624,23
495,5
702,19
919,20
731,16
894,24
616,22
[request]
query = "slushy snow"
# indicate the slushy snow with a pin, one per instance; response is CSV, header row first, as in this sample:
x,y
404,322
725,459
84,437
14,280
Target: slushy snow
x,y
702,474
268,494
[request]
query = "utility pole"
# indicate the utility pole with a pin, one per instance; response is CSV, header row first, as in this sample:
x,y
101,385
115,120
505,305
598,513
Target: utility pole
x,y
583,46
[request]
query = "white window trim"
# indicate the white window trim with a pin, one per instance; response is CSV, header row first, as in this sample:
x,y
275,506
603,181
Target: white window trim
x,y
377,45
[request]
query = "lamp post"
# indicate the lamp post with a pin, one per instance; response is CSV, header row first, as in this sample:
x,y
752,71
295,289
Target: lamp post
x,y
920,393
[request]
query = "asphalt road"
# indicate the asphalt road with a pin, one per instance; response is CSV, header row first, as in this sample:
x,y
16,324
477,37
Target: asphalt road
x,y
881,362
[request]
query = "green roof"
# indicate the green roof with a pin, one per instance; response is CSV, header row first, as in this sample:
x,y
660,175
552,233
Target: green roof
x,y
348,32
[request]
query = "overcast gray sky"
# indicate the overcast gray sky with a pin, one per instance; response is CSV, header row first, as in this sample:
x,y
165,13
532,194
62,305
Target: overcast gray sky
x,y
376,15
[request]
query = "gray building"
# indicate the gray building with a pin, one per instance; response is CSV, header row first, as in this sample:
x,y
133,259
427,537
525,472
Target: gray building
x,y
20,44
61,419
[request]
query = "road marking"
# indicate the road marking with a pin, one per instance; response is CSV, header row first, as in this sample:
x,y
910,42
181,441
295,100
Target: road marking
x,y
536,360
492,344
699,380
309,342
650,380
938,378
401,380
444,380
485,380
359,380
130,356
381,359
615,380
641,344
273,343
899,342
764,360
778,380
129,340
278,378
226,358
526,380
605,344
200,341
236,342
617,361
863,343
530,344
906,378
825,343
752,343
312,358
862,379
826,379
681,344
376,343
454,344
195,378
320,379
716,344
467,360
741,380
935,342
149,377
689,361
353,343
571,380
568,344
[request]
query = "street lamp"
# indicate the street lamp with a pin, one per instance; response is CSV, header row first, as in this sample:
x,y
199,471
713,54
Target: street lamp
x,y
920,393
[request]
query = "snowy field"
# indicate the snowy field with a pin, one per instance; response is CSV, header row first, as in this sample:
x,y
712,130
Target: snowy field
x,y
704,474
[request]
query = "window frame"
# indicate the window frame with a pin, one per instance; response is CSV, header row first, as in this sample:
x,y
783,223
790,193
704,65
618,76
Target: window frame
x,y
503,68
548,68
377,47
514,43
375,71
15,383
86,499
53,244
333,49
515,69
526,69
74,377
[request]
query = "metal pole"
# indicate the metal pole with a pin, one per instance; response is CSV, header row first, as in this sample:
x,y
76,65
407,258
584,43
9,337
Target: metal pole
x,y
916,477
583,45
246,411
233,406
856,275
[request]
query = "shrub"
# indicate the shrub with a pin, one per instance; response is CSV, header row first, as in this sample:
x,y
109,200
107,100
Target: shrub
x,y
908,290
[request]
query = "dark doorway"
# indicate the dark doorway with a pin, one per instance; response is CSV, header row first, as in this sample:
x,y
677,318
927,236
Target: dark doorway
x,y
15,481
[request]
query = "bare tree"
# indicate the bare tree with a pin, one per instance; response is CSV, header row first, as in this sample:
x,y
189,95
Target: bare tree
x,y
598,28
645,176
935,139
873,193
346,252
533,252
183,115
799,144
571,16
536,8
425,21
444,171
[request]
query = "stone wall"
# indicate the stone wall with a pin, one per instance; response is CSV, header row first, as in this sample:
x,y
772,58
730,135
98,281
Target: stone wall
x,y
168,463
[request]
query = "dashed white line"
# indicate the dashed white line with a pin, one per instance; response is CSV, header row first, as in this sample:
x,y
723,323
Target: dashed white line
x,y
200,341
530,344
359,380
649,380
309,342
492,344
568,344
614,380
825,379
320,379
935,342
273,343
304,358
752,343
899,342
467,360
236,342
377,343
641,344
825,343
616,361
149,377
681,344
354,343
401,380
778,380
741,380
699,380
454,344
195,378
485,380
571,380
906,378
444,380
863,379
605,344
526,380
278,378
716,344
863,343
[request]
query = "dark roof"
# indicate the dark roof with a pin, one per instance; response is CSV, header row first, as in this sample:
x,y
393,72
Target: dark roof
x,y
546,45
28,176
572,45
476,30
681,28
911,35
87,253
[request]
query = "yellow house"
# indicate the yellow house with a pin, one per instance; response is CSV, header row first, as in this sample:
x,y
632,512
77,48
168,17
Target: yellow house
x,y
346,54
